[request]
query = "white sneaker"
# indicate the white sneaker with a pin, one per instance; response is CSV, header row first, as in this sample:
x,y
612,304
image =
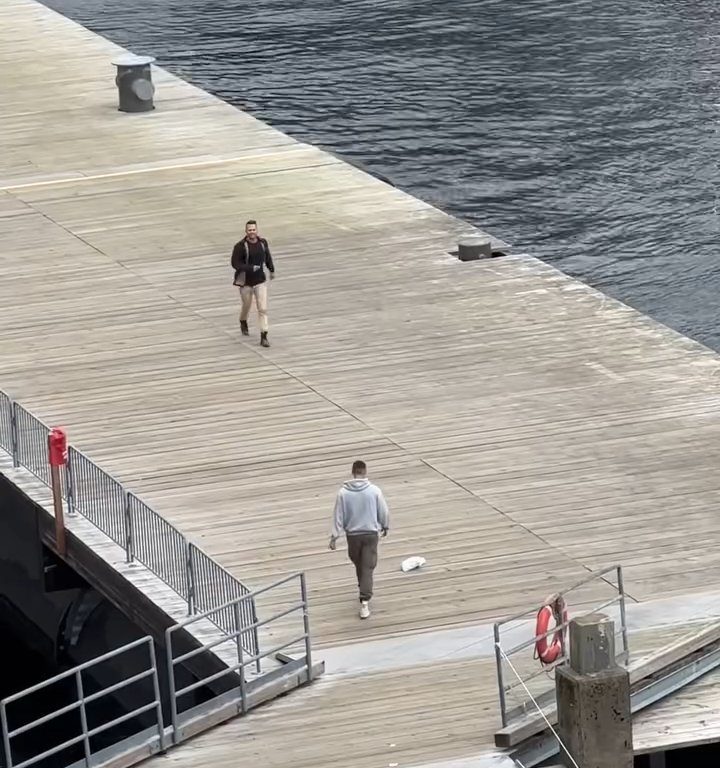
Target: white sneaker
x,y
364,610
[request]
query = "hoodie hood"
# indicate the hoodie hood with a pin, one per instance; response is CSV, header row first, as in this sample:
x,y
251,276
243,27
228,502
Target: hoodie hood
x,y
357,484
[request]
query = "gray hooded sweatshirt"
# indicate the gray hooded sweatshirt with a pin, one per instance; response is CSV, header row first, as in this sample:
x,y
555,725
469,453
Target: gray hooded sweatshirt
x,y
360,508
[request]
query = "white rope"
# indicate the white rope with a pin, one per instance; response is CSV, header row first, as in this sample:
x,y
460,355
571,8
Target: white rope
x,y
537,706
490,637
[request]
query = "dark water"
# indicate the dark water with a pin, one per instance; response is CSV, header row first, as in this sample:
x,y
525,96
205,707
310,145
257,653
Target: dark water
x,y
584,132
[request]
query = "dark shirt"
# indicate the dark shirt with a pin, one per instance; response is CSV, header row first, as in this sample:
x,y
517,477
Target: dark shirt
x,y
249,261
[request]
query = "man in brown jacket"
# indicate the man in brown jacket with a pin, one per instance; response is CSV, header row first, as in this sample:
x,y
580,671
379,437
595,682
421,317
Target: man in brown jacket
x,y
250,257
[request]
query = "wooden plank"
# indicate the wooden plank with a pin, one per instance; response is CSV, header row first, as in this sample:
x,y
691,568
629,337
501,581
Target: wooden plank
x,y
690,718
665,661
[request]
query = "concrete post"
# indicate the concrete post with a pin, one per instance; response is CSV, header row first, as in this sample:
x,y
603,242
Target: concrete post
x,y
593,698
473,248
134,82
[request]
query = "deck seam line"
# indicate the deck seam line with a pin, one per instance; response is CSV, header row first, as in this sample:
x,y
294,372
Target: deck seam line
x,y
155,169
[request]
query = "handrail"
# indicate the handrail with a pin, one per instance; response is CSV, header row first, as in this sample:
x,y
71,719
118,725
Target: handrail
x,y
501,653
594,576
250,595
132,524
562,626
232,636
80,703
70,672
243,660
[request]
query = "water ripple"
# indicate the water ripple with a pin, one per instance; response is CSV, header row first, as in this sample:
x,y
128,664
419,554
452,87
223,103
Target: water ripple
x,y
585,132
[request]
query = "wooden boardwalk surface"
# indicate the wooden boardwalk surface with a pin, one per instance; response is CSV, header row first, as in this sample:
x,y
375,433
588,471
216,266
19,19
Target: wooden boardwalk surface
x,y
524,427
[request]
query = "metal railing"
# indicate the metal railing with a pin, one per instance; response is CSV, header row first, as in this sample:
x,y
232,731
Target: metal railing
x,y
213,586
143,534
243,660
6,423
30,447
84,729
73,723
520,639
97,496
159,546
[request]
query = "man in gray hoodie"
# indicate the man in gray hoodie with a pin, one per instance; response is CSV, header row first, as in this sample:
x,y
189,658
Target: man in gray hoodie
x,y
362,514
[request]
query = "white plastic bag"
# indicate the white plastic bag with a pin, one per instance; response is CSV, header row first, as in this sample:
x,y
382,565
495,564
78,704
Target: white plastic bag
x,y
411,563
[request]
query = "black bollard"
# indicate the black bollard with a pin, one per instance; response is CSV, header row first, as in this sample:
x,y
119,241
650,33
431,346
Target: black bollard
x,y
474,247
134,82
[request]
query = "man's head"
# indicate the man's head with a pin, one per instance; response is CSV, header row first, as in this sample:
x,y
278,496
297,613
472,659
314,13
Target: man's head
x,y
359,469
251,229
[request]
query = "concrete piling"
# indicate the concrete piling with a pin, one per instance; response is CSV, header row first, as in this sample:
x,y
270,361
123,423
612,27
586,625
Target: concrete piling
x,y
593,698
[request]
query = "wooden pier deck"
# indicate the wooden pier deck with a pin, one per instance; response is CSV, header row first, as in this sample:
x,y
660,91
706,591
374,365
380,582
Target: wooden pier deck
x,y
524,427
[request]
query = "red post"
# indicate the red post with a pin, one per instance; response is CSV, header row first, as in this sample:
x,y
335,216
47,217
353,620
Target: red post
x,y
57,453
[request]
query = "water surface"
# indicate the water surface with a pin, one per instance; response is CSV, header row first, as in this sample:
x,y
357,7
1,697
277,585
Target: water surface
x,y
584,132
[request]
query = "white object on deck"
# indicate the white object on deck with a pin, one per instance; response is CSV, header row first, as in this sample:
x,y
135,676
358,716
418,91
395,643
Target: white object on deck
x,y
411,563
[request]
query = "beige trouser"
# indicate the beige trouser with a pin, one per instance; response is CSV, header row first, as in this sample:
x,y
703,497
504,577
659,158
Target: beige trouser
x,y
246,296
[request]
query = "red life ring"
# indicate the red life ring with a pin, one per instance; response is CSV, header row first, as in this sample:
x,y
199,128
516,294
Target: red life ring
x,y
548,652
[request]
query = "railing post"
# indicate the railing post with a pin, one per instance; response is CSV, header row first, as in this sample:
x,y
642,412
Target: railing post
x,y
14,433
83,716
255,635
500,676
70,479
238,629
6,736
190,571
129,552
623,616
171,684
306,626
241,661
156,691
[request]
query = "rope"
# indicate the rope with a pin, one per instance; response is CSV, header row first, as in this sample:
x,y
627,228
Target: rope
x,y
537,706
490,637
